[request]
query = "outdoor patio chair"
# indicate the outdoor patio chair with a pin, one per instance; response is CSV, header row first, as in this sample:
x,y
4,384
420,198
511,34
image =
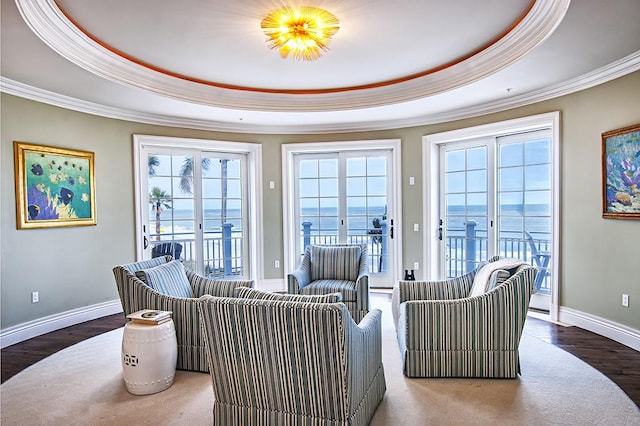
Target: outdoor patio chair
x,y
539,259
170,248
454,328
341,268
163,284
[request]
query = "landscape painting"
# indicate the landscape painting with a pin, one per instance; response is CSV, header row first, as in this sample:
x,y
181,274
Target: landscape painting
x,y
55,187
621,173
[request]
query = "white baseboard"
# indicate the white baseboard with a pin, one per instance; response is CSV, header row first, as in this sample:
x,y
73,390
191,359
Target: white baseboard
x,y
21,332
275,284
604,327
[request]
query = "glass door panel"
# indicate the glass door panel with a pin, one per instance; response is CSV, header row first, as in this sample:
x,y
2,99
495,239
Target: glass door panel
x,y
524,194
223,216
197,210
342,198
366,197
170,217
465,222
318,202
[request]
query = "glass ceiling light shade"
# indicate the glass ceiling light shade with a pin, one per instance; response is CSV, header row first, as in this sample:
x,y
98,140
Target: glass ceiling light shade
x,y
302,33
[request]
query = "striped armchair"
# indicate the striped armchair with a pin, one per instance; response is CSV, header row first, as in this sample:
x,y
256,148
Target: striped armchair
x,y
442,332
286,362
341,268
135,295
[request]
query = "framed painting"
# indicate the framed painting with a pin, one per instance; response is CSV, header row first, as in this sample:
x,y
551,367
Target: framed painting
x,y
54,186
621,173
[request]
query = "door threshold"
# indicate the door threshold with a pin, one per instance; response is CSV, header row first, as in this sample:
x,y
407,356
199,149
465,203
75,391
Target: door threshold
x,y
544,316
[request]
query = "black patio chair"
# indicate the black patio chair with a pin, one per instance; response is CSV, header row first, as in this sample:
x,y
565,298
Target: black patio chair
x,y
170,248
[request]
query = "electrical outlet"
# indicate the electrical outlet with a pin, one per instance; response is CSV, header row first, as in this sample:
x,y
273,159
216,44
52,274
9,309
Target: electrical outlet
x,y
416,265
35,297
416,227
276,264
625,300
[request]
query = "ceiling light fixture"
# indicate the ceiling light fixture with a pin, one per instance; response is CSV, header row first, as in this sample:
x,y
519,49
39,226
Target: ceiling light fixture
x,y
302,33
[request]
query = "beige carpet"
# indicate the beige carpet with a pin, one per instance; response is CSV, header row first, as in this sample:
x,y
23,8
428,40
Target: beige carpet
x,y
83,385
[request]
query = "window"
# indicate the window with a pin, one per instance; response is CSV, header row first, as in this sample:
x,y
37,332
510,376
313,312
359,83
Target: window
x,y
493,190
197,200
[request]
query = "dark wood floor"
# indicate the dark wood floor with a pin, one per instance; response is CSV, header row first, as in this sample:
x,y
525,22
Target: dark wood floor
x,y
618,362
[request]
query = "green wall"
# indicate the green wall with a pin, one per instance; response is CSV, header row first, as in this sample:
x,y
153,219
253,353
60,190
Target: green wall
x,y
71,267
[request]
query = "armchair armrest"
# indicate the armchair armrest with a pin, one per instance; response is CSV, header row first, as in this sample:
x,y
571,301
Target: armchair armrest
x,y
444,324
221,288
362,291
297,279
364,353
372,322
182,312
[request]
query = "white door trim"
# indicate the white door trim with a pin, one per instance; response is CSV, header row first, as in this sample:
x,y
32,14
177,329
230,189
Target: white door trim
x,y
288,190
254,174
430,164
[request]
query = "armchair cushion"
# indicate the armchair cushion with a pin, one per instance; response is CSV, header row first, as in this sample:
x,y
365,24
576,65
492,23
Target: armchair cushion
x,y
250,293
337,263
484,278
346,287
169,278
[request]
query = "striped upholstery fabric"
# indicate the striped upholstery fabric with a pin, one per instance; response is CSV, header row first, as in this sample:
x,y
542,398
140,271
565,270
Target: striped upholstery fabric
x,y
168,278
347,288
451,335
292,363
308,278
334,262
251,293
136,295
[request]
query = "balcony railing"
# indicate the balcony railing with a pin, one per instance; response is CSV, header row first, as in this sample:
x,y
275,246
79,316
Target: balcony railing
x,y
468,247
375,239
224,254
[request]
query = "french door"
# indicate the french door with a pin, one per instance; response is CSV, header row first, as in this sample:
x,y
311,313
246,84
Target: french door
x,y
347,197
195,207
496,198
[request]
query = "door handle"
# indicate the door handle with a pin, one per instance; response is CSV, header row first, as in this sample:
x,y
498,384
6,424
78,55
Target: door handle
x,y
440,233
391,233
145,242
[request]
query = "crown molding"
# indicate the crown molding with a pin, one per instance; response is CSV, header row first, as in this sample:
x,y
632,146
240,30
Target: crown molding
x,y
620,68
55,29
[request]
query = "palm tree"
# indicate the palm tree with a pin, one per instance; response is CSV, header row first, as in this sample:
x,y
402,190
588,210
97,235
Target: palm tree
x,y
158,198
186,173
153,162
186,180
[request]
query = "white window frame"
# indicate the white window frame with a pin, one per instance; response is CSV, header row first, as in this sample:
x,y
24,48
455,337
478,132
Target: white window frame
x,y
431,166
288,190
253,152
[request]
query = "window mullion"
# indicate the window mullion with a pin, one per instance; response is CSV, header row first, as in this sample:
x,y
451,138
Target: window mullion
x,y
198,211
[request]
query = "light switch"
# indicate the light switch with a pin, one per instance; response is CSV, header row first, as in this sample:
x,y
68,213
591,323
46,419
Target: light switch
x,y
412,180
416,227
272,184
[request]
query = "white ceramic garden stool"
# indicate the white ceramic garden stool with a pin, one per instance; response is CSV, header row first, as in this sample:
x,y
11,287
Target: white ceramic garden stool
x,y
149,354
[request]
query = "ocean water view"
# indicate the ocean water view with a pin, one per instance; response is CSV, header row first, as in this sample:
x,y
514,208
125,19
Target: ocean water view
x,y
514,219
178,225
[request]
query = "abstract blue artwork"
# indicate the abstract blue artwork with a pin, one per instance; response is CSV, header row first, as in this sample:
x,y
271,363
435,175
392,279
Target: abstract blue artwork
x,y
54,186
621,173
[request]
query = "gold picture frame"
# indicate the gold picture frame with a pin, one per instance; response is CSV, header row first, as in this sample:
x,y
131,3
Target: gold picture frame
x,y
621,173
55,187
